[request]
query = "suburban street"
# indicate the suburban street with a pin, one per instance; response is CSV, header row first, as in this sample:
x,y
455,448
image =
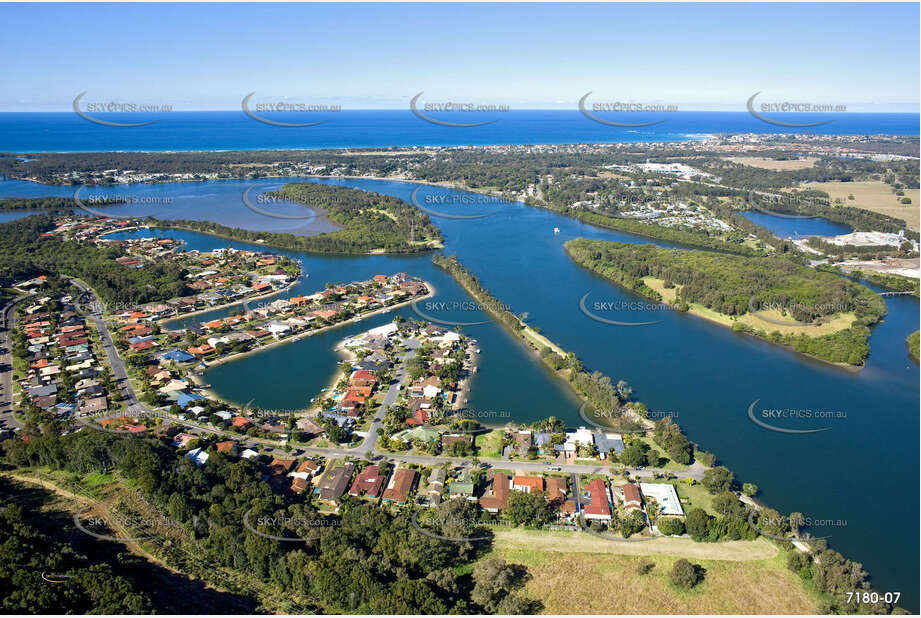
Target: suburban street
x,y
89,307
367,445
7,419
367,448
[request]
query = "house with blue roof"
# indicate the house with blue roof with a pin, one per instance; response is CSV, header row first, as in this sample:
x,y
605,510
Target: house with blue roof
x,y
179,356
184,399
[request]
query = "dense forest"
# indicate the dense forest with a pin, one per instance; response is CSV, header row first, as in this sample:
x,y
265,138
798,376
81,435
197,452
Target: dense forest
x,y
25,253
42,575
736,285
370,222
365,559
67,204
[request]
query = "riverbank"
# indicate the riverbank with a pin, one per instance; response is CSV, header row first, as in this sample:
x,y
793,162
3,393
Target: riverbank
x,y
166,321
534,340
777,318
746,294
304,335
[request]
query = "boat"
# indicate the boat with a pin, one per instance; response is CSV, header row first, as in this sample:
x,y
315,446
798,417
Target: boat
x,y
556,230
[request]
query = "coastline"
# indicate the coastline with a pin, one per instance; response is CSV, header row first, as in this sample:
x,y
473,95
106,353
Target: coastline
x,y
761,335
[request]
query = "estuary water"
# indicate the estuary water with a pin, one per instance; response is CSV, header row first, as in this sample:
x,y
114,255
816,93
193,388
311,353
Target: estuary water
x,y
861,474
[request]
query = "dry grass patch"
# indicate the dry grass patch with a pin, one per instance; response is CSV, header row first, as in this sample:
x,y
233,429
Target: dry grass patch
x,y
772,164
507,539
838,321
874,195
832,324
569,583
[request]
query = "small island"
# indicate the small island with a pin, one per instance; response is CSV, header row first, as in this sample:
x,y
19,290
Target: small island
x,y
816,313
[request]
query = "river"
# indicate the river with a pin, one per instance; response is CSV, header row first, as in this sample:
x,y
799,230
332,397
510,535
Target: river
x,y
861,475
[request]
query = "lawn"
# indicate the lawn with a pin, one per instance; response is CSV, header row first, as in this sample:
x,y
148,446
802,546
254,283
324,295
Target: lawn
x,y
692,496
660,453
489,445
581,575
839,321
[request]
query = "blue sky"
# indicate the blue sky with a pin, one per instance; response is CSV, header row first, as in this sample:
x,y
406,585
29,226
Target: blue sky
x,y
208,56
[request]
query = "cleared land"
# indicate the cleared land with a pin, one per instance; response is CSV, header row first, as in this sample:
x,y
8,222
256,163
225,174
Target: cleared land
x,y
581,542
772,164
874,195
593,582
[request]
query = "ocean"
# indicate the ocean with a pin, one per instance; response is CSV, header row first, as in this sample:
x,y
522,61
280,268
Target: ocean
x,y
29,132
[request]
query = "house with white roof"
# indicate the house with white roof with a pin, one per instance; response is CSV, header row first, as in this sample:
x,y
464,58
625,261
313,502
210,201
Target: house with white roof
x,y
665,497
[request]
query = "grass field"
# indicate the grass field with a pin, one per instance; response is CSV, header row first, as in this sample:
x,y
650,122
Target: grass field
x,y
584,583
693,496
771,164
874,195
490,444
661,454
580,542
840,321
580,574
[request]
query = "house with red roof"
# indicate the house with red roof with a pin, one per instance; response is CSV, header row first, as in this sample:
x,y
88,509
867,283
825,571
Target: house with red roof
x,y
528,484
368,483
496,499
597,506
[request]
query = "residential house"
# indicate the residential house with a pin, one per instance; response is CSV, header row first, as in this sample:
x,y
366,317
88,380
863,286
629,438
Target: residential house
x,y
434,490
630,496
368,483
401,483
335,483
664,496
462,488
597,506
528,484
496,499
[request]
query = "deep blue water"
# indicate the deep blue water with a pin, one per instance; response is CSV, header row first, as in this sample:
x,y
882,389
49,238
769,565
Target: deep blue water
x,y
233,130
786,227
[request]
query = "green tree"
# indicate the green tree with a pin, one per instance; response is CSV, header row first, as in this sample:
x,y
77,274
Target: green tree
x,y
686,575
527,509
718,479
